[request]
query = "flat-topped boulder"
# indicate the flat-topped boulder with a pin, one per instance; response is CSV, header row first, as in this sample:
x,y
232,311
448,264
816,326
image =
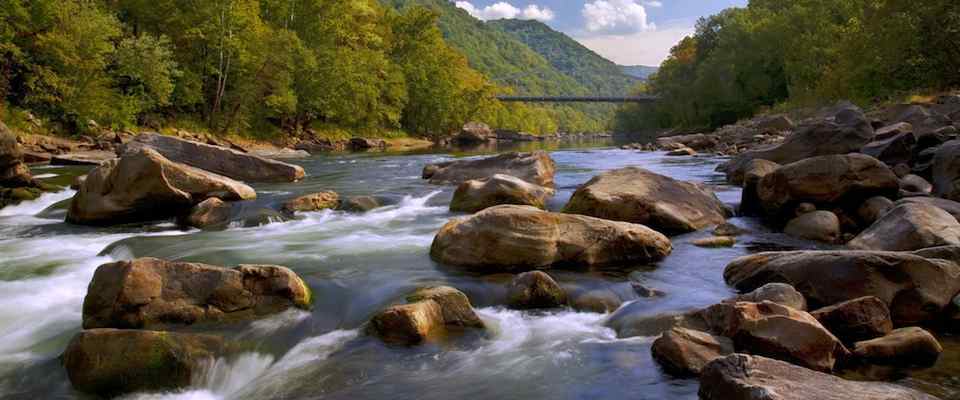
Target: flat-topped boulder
x,y
111,362
774,330
149,293
505,238
854,320
914,288
429,313
536,167
684,352
910,226
478,194
640,196
221,160
825,181
845,131
144,186
746,377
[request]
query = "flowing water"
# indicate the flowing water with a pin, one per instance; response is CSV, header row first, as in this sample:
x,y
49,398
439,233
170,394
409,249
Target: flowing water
x,y
357,264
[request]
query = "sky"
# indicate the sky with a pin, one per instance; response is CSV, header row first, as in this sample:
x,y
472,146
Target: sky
x,y
628,32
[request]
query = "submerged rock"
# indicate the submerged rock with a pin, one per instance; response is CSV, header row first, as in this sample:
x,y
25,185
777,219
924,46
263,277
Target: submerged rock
x,y
220,160
628,322
914,288
144,186
904,346
746,377
312,202
535,289
110,362
642,197
855,320
715,241
774,330
910,226
684,352
506,238
148,293
429,313
536,168
475,195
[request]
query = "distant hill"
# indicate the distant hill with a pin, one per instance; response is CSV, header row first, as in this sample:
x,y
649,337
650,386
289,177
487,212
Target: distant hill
x,y
599,75
639,71
498,54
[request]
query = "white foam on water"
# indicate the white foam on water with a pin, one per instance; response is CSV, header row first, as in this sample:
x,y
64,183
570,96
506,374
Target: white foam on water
x,y
33,207
45,176
270,325
254,372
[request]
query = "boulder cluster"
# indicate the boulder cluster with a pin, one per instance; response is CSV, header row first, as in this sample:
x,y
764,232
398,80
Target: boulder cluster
x,y
16,182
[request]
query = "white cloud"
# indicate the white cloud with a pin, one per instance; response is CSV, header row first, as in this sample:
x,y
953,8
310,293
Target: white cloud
x,y
649,47
616,16
655,4
501,10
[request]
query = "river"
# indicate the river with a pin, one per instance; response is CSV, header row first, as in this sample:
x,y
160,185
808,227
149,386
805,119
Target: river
x,y
357,264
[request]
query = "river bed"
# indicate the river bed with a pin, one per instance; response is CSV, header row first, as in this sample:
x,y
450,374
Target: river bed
x,y
357,264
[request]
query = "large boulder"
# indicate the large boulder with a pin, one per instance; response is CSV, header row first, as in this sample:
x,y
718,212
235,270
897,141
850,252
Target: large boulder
x,y
227,162
855,320
210,214
915,288
774,330
746,377
946,171
536,167
893,149
754,171
475,195
904,346
949,206
535,289
149,293
844,132
684,352
522,237
110,362
909,226
13,171
642,197
873,208
822,226
474,133
825,181
143,186
429,314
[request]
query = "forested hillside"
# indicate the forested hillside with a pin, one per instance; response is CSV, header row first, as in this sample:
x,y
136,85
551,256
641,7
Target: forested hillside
x,y
777,52
597,74
639,71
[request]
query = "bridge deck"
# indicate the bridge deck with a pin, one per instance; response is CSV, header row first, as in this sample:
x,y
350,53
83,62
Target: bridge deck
x,y
579,99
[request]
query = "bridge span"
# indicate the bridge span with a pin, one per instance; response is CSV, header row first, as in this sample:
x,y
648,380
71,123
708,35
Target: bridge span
x,y
579,99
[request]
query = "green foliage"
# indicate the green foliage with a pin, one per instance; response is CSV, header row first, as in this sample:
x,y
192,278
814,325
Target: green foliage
x,y
796,51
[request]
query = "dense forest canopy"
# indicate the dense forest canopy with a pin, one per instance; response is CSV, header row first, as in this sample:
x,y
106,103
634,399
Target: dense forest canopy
x,y
270,66
798,52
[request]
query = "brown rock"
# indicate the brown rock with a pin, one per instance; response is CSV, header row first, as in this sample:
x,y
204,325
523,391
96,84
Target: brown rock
x,y
211,213
642,197
780,293
892,150
220,160
475,195
145,186
728,229
872,209
826,180
630,323
946,171
915,288
855,320
474,133
715,241
754,171
522,237
745,377
904,346
148,293
428,315
597,301
949,206
110,362
92,157
536,167
312,202
822,226
365,144
774,330
684,352
535,289
360,204
909,226
914,184
683,151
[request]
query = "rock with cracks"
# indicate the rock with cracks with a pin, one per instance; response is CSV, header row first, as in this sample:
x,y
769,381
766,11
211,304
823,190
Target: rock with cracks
x,y
684,352
536,168
910,226
430,313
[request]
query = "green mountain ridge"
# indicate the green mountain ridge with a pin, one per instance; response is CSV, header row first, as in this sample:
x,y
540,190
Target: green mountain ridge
x,y
639,71
599,75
